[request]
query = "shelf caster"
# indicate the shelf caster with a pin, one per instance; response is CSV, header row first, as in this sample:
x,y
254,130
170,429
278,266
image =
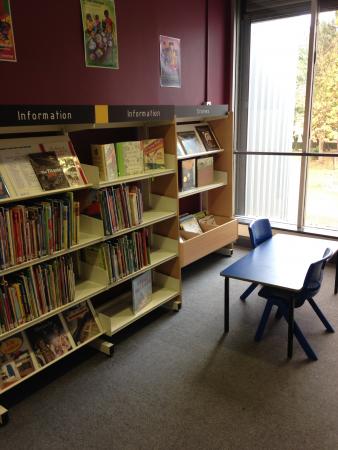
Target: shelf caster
x,y
173,306
226,251
103,346
4,416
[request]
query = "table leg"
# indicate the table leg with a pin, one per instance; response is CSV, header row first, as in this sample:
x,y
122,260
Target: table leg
x,y
226,305
336,279
290,327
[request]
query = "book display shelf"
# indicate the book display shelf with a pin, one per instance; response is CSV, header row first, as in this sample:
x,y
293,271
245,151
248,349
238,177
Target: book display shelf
x,y
55,301
214,196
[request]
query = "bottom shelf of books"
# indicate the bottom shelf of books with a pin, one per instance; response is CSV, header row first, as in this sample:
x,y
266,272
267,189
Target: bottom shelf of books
x,y
149,291
206,238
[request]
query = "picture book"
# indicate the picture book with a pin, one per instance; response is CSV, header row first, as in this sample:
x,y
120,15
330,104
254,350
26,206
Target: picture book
x,y
207,137
153,154
103,157
49,340
190,142
15,360
129,157
179,148
190,223
187,174
141,291
207,220
81,323
68,160
48,171
17,170
205,171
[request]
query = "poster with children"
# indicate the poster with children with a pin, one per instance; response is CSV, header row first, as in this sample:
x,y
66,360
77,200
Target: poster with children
x,y
7,46
100,34
170,62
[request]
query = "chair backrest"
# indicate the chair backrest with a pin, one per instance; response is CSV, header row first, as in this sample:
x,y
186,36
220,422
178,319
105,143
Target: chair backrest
x,y
314,276
260,231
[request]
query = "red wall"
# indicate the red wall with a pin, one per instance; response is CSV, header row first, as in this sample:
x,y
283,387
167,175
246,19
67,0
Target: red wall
x,y
51,70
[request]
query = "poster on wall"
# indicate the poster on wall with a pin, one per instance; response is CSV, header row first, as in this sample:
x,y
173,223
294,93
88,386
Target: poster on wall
x,y
7,46
170,62
100,34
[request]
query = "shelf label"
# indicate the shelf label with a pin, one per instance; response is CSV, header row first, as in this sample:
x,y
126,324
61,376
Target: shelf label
x,y
201,110
18,115
129,113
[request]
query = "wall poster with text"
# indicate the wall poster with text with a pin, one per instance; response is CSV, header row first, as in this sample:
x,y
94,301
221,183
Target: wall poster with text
x,y
7,46
170,62
100,33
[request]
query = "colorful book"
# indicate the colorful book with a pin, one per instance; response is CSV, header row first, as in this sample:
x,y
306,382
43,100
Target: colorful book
x,y
187,174
48,171
129,157
15,360
141,291
3,188
153,154
205,171
103,156
190,223
190,142
49,340
207,137
81,323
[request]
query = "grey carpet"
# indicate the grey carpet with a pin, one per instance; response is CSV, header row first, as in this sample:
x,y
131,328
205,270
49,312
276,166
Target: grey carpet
x,y
175,382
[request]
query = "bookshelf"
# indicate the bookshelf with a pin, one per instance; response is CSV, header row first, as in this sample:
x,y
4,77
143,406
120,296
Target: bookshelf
x,y
108,300
215,197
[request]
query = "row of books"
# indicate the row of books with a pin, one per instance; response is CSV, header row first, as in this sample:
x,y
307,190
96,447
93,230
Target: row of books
x,y
122,256
127,158
196,139
26,352
30,168
196,172
35,291
38,229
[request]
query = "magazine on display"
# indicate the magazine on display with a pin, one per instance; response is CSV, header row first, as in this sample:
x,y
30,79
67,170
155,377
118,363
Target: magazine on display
x,y
48,170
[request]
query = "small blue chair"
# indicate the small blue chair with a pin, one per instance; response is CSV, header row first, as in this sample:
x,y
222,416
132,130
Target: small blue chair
x,y
259,231
282,297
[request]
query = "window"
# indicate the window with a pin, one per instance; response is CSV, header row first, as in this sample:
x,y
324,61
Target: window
x,y
284,169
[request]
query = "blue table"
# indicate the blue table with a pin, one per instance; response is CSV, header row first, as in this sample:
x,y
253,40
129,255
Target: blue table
x,y
282,262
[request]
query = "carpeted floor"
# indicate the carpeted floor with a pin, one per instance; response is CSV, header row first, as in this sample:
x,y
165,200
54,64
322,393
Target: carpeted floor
x,y
175,382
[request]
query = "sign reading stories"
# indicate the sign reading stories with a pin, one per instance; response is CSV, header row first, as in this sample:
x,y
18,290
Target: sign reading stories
x,y
14,115
201,110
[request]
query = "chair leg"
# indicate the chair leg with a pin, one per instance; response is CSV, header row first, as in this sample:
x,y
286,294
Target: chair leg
x,y
324,320
263,321
304,343
248,291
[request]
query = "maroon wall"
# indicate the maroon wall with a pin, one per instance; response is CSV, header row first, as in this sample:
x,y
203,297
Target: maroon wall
x,y
51,70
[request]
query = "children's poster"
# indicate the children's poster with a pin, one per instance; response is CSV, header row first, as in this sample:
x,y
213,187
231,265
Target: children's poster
x,y
100,34
7,46
170,62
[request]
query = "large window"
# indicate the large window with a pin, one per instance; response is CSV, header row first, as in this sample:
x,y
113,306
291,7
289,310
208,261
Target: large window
x,y
286,158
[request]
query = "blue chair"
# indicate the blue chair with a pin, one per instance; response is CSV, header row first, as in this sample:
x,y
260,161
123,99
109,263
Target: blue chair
x,y
282,297
259,231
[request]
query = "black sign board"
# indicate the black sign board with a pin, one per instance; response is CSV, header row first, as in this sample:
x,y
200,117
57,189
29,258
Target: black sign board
x,y
18,115
130,113
201,110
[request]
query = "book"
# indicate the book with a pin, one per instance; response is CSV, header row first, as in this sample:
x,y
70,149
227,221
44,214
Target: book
x,y
49,340
104,157
179,149
81,323
208,220
190,142
190,223
15,360
153,154
3,188
48,171
141,291
68,160
187,174
207,137
129,157
205,171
